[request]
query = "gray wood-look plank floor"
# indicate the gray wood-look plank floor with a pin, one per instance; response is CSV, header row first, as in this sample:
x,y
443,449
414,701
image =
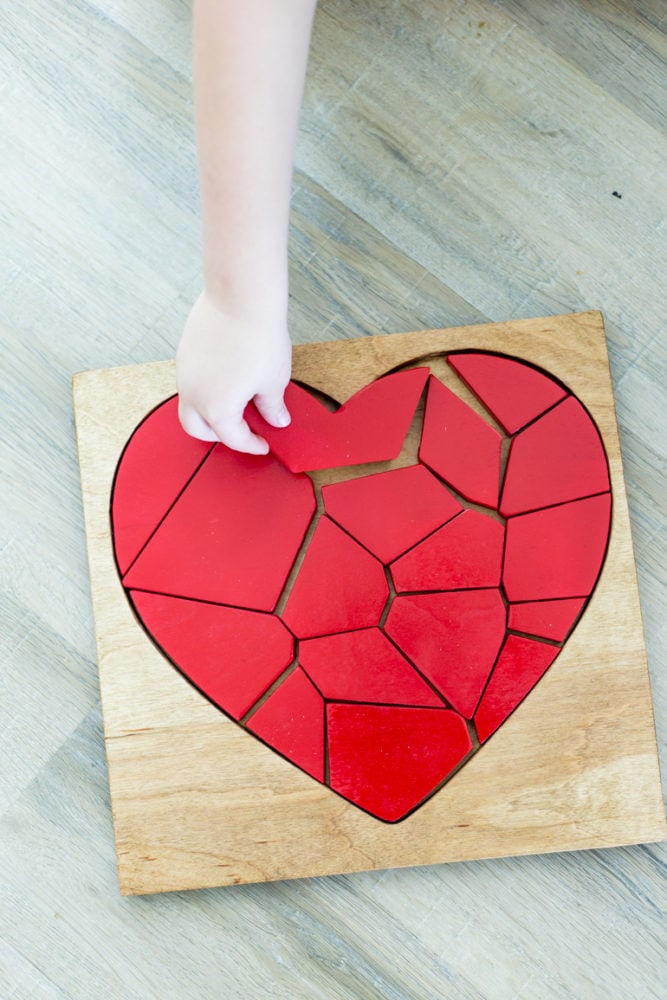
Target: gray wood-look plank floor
x,y
457,162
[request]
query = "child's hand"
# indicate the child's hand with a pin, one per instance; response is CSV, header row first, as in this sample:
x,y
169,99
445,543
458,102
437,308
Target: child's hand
x,y
224,360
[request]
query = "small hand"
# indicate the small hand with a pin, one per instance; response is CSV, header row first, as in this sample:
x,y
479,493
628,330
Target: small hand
x,y
224,360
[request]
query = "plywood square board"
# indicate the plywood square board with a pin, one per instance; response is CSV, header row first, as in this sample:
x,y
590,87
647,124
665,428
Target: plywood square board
x,y
411,635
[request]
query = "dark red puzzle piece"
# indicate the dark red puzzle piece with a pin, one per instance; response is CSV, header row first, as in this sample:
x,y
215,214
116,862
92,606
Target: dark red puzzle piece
x,y
390,511
364,666
233,656
369,427
387,760
520,665
339,586
466,553
140,501
460,447
558,458
515,393
213,544
452,638
291,720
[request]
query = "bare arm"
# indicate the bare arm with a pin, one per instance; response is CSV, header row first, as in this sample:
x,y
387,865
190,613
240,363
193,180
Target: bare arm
x,y
249,65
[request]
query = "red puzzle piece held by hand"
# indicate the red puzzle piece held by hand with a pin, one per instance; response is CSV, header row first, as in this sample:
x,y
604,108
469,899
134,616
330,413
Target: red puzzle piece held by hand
x,y
369,427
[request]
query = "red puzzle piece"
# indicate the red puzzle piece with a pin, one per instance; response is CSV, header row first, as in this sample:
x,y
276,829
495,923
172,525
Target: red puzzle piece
x,y
388,760
369,427
213,544
519,668
140,501
466,553
549,619
460,447
390,511
364,666
291,720
560,457
233,656
557,552
340,586
453,639
514,392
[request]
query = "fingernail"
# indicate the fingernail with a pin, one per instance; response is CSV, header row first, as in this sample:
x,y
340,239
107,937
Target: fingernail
x,y
283,418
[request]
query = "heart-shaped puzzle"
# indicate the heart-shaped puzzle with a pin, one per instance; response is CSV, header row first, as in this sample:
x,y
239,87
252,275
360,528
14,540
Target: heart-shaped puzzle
x,y
375,630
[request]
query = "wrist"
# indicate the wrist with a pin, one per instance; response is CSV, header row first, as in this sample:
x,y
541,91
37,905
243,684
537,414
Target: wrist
x,y
252,295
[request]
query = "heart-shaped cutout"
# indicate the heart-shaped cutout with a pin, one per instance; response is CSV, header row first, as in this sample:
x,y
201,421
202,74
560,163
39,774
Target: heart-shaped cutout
x,y
374,631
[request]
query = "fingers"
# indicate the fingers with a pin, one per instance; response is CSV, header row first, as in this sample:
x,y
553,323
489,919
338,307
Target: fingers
x,y
234,432
271,406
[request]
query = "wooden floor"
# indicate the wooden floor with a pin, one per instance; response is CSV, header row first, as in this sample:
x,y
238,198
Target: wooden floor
x,y
458,161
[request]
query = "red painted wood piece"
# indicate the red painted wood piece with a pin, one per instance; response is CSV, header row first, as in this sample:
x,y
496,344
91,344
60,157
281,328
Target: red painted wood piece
x,y
560,457
549,619
452,638
466,553
369,427
233,656
213,544
340,586
390,511
556,552
139,500
513,392
460,447
387,760
364,666
291,720
520,665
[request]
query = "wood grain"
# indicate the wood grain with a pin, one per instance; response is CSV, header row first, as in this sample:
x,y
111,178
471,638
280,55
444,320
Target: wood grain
x,y
197,802
99,263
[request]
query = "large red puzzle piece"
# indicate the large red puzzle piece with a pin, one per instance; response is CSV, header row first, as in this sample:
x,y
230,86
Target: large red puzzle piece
x,y
378,639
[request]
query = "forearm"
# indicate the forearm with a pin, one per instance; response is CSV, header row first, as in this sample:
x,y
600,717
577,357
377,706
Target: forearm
x,y
250,61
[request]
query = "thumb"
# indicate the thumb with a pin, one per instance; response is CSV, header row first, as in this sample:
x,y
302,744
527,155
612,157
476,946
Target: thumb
x,y
271,406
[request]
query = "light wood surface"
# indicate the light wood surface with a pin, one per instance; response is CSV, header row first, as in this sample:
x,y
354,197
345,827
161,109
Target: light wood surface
x,y
456,164
197,802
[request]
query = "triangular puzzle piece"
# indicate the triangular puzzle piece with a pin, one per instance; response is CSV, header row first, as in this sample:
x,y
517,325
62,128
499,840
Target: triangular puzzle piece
x,y
291,720
139,501
548,619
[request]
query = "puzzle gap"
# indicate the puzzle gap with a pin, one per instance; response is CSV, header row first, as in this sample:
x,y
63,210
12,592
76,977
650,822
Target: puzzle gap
x,y
548,619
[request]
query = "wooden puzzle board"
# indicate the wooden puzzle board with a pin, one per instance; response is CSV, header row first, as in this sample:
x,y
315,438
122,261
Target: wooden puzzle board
x,y
199,802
